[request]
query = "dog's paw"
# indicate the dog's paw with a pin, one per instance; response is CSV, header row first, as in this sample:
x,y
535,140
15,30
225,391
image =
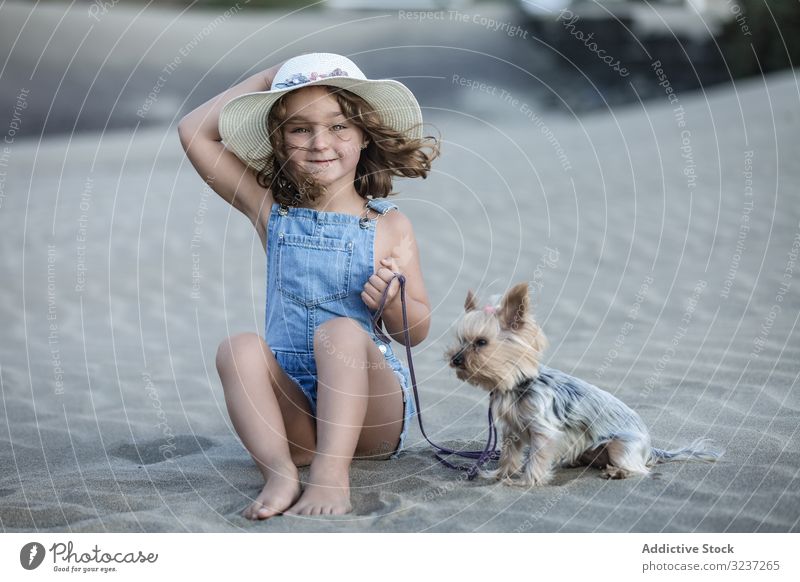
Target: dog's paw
x,y
611,472
489,474
510,481
537,480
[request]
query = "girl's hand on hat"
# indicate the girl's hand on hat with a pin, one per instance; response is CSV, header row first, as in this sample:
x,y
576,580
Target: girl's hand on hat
x,y
375,285
269,75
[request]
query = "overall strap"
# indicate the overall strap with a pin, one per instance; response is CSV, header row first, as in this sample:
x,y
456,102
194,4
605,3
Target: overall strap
x,y
381,205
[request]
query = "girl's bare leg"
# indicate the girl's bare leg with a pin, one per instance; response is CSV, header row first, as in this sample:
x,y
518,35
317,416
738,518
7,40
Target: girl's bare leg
x,y
359,412
271,416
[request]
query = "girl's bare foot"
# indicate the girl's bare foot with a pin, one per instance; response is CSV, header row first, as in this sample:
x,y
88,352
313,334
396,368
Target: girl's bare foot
x,y
327,493
280,491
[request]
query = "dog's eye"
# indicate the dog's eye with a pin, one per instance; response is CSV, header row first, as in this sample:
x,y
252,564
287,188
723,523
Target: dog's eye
x,y
480,342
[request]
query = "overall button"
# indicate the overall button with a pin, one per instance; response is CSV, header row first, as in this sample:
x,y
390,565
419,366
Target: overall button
x,y
363,222
382,348
283,211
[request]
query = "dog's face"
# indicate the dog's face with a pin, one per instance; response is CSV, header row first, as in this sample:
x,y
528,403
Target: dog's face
x,y
497,346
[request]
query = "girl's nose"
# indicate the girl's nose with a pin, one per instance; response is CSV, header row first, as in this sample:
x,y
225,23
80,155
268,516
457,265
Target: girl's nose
x,y
319,141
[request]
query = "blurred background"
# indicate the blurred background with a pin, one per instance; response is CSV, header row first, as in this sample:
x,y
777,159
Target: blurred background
x,y
635,161
92,64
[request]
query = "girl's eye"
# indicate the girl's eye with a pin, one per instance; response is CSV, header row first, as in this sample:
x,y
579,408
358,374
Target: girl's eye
x,y
480,342
297,129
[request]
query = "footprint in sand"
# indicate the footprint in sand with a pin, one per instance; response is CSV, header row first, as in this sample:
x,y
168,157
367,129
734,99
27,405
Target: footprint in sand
x,y
160,450
375,504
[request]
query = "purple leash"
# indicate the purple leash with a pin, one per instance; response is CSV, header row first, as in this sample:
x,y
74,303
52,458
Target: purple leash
x,y
489,452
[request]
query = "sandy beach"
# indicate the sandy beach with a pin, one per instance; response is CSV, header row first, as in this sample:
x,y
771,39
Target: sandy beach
x,y
661,241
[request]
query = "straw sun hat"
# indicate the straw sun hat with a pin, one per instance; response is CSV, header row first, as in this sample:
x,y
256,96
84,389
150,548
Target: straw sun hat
x,y
243,120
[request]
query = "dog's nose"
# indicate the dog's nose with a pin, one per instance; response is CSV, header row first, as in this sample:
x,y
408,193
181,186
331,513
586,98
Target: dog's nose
x,y
457,360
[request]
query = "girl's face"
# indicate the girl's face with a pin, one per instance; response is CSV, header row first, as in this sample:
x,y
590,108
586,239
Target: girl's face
x,y
320,140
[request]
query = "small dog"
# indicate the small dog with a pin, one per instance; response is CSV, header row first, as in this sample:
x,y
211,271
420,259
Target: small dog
x,y
560,418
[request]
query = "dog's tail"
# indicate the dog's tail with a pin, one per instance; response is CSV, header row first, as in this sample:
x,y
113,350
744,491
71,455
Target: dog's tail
x,y
698,450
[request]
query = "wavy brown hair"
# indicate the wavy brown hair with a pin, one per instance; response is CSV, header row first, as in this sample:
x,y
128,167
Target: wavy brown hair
x,y
389,153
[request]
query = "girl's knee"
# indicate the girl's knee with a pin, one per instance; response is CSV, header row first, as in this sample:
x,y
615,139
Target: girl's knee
x,y
338,325
337,334
238,348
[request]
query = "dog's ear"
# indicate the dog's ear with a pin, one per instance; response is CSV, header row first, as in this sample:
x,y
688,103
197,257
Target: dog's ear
x,y
514,306
470,304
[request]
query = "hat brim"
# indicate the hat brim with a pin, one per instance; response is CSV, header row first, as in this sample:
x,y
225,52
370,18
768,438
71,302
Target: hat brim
x,y
243,120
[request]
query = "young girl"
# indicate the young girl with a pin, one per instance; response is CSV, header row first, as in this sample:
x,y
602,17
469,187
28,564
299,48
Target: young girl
x,y
310,149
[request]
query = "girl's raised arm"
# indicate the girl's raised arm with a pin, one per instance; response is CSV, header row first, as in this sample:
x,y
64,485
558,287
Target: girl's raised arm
x,y
226,174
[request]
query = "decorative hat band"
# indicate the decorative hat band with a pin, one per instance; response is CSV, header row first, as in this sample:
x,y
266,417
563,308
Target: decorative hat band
x,y
302,78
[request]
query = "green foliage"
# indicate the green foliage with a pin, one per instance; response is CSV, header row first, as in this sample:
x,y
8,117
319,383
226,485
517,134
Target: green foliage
x,y
773,41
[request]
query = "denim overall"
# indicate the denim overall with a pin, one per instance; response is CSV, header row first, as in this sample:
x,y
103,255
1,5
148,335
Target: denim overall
x,y
317,265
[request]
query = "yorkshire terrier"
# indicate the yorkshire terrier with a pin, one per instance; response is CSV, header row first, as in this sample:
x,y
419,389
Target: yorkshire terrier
x,y
558,418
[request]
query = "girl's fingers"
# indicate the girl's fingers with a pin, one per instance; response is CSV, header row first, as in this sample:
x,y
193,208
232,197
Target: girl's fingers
x,y
388,270
373,294
377,282
368,301
385,275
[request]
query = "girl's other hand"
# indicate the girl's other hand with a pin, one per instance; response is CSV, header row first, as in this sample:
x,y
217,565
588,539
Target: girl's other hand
x,y
375,285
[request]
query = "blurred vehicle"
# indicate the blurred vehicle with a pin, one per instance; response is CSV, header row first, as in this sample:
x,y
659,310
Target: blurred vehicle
x,y
681,17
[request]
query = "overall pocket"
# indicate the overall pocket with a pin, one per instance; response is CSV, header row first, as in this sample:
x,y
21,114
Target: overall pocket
x,y
313,269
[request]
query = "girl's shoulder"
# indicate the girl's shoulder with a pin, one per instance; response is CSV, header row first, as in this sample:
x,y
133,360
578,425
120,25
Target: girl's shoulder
x,y
381,205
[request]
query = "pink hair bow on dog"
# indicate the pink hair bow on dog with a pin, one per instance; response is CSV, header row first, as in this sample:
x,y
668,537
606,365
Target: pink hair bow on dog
x,y
489,309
